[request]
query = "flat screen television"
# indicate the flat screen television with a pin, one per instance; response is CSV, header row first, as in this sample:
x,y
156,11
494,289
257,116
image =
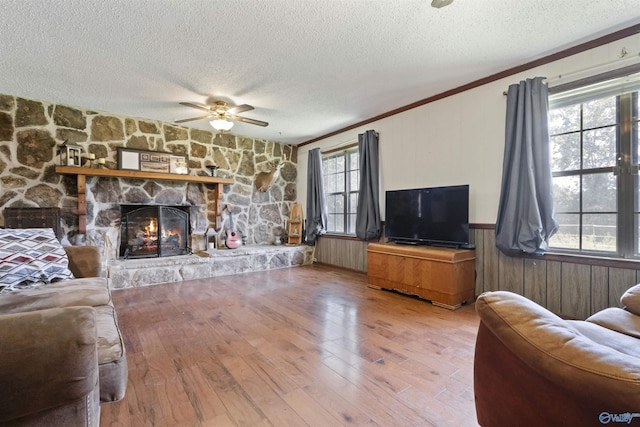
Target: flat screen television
x,y
436,216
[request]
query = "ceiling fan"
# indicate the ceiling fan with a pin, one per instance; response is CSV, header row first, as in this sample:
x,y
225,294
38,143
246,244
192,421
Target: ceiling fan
x,y
223,115
441,3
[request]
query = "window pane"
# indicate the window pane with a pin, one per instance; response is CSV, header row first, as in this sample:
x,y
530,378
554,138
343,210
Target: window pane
x,y
599,112
330,165
599,148
353,202
568,236
355,181
599,232
340,182
565,152
340,163
599,193
331,183
331,222
565,119
354,160
566,193
352,224
331,203
339,204
339,223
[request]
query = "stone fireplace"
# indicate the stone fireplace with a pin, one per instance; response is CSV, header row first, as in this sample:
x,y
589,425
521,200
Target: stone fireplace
x,y
32,132
89,204
150,231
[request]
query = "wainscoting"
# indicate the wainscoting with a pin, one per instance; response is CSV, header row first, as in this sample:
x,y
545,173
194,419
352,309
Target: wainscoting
x,y
342,252
575,288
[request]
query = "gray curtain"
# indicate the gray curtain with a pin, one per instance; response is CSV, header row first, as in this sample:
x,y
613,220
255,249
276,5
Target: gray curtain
x,y
526,217
316,208
368,224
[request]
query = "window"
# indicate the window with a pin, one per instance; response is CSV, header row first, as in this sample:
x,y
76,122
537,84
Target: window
x,y
594,156
341,171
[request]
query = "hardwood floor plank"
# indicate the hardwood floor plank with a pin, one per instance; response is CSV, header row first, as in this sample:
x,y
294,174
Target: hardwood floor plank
x,y
303,346
334,403
312,412
276,379
205,401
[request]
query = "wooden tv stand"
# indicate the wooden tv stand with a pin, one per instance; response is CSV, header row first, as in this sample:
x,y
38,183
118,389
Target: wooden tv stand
x,y
442,275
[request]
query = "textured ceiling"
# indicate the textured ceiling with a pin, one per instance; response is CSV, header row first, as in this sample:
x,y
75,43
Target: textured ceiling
x,y
308,67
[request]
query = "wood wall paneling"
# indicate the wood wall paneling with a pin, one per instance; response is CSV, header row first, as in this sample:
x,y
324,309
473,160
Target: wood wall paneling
x,y
554,286
576,290
478,241
599,288
341,252
535,280
490,264
511,274
620,280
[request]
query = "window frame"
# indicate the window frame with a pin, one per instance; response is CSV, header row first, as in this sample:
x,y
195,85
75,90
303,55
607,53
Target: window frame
x,y
625,172
348,213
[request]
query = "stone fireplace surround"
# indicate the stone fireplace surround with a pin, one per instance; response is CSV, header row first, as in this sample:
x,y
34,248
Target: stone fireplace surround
x,y
31,132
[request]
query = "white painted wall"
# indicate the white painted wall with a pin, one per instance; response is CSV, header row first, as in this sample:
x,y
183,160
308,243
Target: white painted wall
x,y
460,139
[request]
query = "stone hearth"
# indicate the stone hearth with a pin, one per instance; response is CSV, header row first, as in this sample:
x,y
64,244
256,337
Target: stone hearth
x,y
134,273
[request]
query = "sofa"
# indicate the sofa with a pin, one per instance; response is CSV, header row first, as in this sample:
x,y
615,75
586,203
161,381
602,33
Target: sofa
x,y
532,367
61,350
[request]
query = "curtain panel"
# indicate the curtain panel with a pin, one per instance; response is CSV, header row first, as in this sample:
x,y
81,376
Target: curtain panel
x,y
526,217
368,223
316,207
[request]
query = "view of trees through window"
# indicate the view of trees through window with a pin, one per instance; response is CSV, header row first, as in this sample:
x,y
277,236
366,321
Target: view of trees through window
x,y
594,146
341,172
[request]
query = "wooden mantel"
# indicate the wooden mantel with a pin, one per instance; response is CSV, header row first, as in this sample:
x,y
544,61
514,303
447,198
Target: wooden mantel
x,y
117,173
82,173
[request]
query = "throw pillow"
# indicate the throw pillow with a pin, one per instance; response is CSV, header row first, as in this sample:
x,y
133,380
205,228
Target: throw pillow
x,y
631,299
31,257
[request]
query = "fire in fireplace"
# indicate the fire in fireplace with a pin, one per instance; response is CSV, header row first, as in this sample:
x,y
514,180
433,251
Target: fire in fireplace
x,y
153,231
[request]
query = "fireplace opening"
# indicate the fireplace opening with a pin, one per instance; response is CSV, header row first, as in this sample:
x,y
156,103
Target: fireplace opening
x,y
154,231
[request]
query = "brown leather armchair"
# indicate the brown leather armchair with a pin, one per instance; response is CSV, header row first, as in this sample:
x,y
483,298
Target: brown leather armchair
x,y
533,368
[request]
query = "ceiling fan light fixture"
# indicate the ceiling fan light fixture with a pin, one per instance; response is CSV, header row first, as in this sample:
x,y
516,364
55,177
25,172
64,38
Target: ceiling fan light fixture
x,y
221,125
441,3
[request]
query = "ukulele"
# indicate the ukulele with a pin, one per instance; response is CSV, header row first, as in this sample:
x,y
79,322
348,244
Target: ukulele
x,y
232,239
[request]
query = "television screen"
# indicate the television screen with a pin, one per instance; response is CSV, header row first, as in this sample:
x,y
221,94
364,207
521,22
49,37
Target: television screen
x,y
436,216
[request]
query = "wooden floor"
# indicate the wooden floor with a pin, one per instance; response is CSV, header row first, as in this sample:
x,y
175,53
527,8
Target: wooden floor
x,y
294,347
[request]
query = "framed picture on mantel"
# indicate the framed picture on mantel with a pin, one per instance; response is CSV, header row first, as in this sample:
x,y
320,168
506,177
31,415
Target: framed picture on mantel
x,y
152,161
178,164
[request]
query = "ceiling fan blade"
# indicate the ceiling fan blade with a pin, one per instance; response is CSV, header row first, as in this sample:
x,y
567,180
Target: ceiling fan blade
x,y
195,118
240,109
250,121
199,107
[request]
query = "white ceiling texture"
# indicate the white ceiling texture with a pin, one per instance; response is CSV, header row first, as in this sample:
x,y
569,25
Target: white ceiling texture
x,y
308,67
